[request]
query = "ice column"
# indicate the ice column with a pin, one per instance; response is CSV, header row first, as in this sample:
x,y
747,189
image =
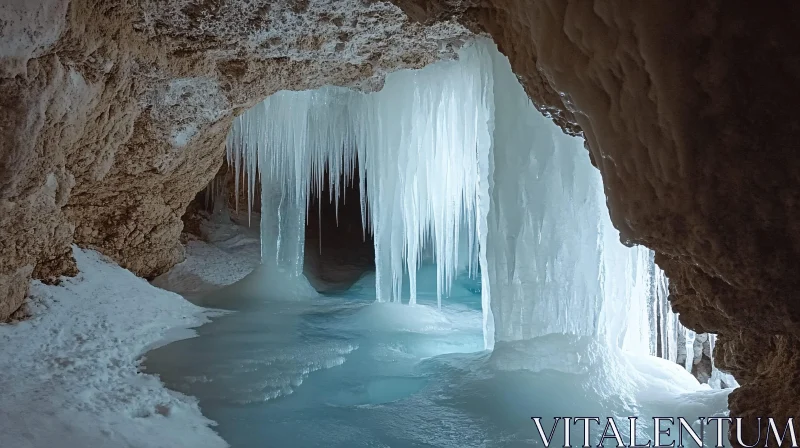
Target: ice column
x,y
421,145
681,345
555,261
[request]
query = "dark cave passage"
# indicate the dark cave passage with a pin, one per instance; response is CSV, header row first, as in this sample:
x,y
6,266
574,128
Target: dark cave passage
x,y
337,251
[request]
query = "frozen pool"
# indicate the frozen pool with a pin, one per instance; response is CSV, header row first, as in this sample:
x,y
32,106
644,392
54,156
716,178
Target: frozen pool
x,y
291,369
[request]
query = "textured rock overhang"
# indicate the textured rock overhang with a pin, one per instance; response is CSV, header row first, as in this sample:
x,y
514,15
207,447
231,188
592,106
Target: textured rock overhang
x,y
114,114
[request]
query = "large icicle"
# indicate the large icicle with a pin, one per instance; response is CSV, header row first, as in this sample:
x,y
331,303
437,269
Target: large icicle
x,y
422,146
554,260
543,245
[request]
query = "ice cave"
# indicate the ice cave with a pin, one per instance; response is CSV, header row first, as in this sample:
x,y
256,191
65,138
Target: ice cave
x,y
398,224
499,286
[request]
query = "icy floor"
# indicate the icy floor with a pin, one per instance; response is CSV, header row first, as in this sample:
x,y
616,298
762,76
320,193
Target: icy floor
x,y
293,370
69,375
230,253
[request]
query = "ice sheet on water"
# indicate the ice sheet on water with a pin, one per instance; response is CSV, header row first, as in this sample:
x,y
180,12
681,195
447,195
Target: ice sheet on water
x,y
561,375
424,317
347,371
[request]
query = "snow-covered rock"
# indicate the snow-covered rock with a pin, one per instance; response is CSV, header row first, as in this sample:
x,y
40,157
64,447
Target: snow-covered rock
x,y
70,375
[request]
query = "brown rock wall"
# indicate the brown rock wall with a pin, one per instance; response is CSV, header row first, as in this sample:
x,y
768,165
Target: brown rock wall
x,y
113,114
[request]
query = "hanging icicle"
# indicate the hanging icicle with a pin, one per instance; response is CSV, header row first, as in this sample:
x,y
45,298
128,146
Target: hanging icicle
x,y
417,143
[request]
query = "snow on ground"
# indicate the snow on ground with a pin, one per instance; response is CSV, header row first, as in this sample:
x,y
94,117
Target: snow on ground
x,y
233,250
69,376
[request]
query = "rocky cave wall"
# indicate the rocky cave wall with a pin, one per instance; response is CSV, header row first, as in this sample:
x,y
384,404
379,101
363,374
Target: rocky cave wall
x,y
688,109
113,114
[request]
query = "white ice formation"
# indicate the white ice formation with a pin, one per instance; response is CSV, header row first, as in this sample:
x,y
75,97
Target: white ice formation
x,y
454,160
420,146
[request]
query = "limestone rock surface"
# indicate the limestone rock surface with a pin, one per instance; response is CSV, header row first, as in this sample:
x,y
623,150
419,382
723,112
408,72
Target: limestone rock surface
x,y
113,114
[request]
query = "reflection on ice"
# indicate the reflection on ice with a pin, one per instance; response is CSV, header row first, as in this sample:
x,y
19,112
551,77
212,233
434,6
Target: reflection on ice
x,y
346,371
